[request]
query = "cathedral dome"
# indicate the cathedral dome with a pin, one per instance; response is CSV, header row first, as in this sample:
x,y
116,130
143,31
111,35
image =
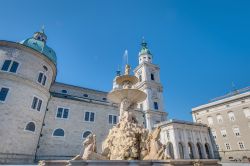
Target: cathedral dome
x,y
38,43
144,48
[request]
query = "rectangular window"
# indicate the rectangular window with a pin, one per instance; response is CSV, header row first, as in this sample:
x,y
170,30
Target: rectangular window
x,y
152,77
6,65
10,66
3,93
14,67
140,78
241,145
62,113
39,105
227,146
59,112
36,104
155,105
42,78
89,116
112,119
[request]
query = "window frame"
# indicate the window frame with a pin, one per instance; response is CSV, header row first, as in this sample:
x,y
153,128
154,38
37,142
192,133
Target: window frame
x,y
10,66
42,80
156,105
62,113
223,134
228,146
58,136
6,97
85,132
230,115
238,143
30,130
236,131
39,99
152,76
89,116
113,115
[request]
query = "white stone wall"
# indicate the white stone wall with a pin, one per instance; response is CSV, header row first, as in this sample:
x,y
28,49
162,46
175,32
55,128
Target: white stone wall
x,y
16,110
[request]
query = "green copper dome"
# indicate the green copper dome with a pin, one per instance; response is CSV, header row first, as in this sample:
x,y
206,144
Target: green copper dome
x,y
144,48
38,43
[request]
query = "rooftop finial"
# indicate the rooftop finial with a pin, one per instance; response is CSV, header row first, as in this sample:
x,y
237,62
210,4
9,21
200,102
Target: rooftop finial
x,y
143,43
42,29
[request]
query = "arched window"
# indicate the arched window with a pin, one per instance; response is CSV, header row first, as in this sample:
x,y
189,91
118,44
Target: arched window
x,y
86,134
190,150
207,148
181,151
199,150
170,150
30,127
58,133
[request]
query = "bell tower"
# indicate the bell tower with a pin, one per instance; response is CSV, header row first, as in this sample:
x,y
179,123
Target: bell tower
x,y
149,82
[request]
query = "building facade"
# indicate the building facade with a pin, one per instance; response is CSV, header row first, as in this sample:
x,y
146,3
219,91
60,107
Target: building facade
x,y
186,140
229,119
44,119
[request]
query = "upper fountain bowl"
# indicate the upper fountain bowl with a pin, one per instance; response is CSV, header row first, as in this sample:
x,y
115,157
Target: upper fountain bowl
x,y
134,95
124,78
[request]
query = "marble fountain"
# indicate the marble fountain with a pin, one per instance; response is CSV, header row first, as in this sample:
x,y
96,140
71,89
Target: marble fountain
x,y
128,142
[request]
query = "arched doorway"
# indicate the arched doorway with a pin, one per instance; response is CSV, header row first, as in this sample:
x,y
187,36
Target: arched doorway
x,y
207,149
199,148
170,150
181,151
191,150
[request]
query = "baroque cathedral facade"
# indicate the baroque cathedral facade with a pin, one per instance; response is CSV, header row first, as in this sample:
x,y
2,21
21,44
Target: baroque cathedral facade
x,y
44,119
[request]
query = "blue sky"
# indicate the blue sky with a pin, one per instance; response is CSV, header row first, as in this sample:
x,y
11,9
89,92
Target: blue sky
x,y
200,46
